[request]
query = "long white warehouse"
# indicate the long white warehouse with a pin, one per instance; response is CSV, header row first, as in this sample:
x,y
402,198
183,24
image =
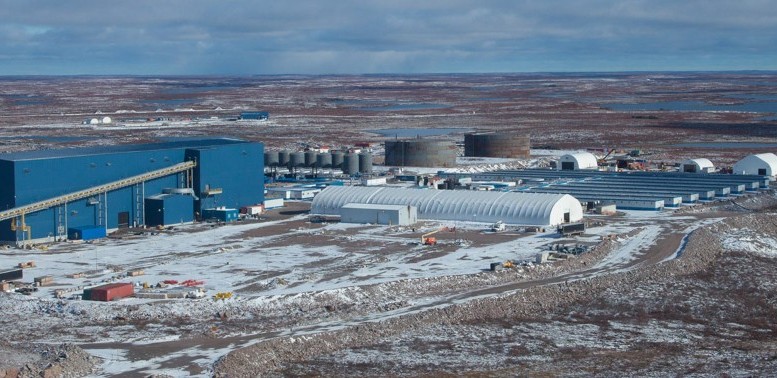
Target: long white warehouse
x,y
531,209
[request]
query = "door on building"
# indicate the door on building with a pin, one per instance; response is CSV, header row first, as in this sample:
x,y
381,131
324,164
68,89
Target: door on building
x,y
566,217
124,219
762,171
567,166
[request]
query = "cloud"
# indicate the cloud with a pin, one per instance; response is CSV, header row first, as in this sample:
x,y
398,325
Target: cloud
x,y
349,36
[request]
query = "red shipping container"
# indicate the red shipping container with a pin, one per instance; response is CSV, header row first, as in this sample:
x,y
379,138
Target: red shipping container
x,y
109,292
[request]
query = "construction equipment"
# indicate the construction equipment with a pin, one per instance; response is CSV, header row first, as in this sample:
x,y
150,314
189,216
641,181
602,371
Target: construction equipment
x,y
224,295
603,161
499,226
509,264
28,264
428,239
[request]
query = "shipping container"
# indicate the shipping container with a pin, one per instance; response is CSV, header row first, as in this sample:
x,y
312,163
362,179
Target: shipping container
x,y
11,275
109,292
273,203
223,215
44,280
252,210
86,232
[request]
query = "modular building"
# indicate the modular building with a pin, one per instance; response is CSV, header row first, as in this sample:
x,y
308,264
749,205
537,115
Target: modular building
x,y
220,214
86,232
45,193
396,215
255,115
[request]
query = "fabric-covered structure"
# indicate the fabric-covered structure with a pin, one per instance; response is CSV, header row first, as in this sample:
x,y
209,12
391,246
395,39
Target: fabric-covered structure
x,y
697,166
759,164
533,209
578,160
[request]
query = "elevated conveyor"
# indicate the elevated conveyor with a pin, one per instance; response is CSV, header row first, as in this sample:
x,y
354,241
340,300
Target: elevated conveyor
x,y
93,191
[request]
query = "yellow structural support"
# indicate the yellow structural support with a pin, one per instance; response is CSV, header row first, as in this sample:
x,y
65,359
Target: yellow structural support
x,y
70,197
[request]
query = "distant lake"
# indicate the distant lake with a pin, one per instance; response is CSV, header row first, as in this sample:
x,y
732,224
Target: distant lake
x,y
696,106
412,133
727,145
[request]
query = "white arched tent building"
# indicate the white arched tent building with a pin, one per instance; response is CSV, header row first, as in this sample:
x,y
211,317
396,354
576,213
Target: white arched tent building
x,y
531,209
759,164
577,160
697,166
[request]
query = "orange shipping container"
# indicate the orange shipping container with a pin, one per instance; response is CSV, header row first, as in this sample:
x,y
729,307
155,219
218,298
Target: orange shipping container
x,y
109,292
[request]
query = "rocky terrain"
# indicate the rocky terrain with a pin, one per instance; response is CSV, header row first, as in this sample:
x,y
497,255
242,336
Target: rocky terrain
x,y
709,311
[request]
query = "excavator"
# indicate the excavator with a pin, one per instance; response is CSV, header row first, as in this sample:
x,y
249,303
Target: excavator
x,y
603,161
428,239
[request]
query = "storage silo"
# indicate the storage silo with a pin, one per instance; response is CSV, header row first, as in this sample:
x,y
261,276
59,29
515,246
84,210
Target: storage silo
x,y
501,145
337,159
271,158
324,160
297,159
310,158
283,158
421,153
351,164
365,163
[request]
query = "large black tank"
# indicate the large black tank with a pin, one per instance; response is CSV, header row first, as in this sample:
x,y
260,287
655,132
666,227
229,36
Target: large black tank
x,y
500,145
421,153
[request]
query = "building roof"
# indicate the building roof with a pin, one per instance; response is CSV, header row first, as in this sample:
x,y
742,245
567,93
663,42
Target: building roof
x,y
373,206
124,148
701,162
584,159
462,205
768,158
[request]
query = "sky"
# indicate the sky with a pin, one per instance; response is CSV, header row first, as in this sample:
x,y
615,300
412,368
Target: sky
x,y
255,37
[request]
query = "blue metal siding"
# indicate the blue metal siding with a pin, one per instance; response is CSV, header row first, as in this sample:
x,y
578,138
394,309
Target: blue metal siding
x,y
237,170
224,215
86,232
33,177
170,209
255,115
235,166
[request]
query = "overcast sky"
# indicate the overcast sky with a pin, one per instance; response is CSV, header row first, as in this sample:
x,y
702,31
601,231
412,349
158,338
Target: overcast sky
x,y
237,37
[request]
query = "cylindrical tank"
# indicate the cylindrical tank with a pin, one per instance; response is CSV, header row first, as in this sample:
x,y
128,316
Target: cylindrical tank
x,y
421,153
503,145
324,160
365,163
283,158
297,159
271,158
337,159
351,164
310,158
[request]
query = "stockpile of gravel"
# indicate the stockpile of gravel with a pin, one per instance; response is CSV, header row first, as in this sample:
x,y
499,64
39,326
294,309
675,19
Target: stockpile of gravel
x,y
43,360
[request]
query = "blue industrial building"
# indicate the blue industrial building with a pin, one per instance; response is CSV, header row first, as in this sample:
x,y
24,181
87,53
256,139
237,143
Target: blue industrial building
x,y
255,115
45,193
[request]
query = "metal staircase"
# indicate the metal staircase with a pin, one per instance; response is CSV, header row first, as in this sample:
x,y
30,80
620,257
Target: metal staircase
x,y
95,191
